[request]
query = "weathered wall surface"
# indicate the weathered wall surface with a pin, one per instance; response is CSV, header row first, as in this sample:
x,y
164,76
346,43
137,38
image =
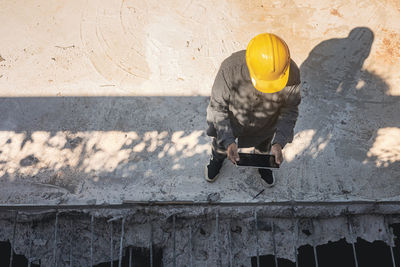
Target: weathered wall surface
x,y
104,101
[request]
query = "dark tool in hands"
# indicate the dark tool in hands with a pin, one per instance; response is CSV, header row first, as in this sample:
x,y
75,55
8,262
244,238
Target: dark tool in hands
x,y
257,160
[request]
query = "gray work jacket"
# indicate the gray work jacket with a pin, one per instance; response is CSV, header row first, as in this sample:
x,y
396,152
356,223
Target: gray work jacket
x,y
238,110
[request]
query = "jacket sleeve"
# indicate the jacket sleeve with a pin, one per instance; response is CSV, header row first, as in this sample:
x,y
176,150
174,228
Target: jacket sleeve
x,y
219,107
288,117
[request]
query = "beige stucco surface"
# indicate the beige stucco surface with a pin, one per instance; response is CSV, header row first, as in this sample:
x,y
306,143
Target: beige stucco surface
x,y
104,101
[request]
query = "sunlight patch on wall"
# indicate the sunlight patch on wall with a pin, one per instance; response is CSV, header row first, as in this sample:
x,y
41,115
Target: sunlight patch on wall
x,y
300,143
386,148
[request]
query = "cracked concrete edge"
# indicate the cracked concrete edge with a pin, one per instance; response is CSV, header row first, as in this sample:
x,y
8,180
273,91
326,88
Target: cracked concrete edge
x,y
367,227
186,210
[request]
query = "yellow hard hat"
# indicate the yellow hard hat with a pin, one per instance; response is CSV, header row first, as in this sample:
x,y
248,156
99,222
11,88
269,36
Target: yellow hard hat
x,y
268,60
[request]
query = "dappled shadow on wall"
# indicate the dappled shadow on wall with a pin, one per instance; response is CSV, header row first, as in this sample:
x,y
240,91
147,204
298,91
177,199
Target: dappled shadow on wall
x,y
62,140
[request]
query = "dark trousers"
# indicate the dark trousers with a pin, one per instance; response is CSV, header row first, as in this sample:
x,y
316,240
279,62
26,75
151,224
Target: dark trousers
x,y
219,151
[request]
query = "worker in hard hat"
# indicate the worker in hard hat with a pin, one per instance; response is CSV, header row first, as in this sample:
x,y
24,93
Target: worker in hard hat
x,y
254,99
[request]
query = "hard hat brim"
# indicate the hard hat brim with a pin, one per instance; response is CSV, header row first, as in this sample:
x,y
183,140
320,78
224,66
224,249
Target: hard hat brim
x,y
270,86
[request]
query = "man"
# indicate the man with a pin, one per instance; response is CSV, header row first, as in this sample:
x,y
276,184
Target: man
x,y
255,99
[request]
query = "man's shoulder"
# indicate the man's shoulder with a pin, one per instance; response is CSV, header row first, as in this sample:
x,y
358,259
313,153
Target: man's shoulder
x,y
294,74
235,59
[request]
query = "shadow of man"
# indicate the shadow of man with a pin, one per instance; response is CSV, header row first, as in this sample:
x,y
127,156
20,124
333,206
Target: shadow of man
x,y
334,66
344,108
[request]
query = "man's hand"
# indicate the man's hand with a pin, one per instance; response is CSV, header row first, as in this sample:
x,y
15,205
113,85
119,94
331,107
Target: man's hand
x,y
232,153
276,150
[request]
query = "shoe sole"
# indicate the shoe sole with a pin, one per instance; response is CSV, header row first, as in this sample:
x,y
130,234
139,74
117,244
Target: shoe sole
x,y
206,176
267,185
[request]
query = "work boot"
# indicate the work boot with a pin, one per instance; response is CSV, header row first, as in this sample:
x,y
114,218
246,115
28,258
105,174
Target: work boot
x,y
212,169
267,177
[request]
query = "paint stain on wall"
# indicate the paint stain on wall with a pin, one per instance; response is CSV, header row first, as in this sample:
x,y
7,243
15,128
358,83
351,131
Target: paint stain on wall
x,y
389,49
335,12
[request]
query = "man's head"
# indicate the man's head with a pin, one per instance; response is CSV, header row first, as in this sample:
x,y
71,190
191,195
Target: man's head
x,y
268,60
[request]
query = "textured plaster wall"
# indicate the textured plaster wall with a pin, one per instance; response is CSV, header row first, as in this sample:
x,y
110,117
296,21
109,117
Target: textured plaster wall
x,y
104,101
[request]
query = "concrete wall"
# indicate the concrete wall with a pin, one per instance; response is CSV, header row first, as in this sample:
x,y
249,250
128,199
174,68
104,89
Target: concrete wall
x,y
104,101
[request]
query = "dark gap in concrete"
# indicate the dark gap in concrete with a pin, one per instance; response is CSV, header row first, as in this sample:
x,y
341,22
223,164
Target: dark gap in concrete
x,y
339,253
18,260
140,257
396,251
376,253
306,256
268,260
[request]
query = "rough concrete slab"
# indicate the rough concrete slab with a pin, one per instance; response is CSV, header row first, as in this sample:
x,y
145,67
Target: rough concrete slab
x,y
104,101
198,240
